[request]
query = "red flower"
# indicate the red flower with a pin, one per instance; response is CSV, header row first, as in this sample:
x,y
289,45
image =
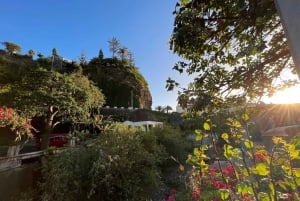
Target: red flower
x,y
196,193
246,197
212,171
260,157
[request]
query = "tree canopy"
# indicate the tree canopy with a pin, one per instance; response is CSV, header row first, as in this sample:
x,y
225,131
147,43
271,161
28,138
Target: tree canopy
x,y
232,47
114,46
50,94
11,47
72,94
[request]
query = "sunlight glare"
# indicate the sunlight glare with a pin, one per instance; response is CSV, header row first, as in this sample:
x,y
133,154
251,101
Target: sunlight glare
x,y
288,96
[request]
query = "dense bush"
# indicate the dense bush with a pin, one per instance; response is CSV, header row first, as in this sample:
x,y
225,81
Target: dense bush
x,y
122,164
174,142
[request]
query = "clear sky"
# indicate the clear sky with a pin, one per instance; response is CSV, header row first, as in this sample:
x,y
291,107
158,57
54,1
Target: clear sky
x,y
73,26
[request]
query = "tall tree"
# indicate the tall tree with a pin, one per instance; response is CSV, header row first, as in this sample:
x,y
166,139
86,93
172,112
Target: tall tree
x,y
31,53
82,58
11,48
40,55
159,108
167,109
234,48
54,52
114,46
50,94
130,58
101,55
123,53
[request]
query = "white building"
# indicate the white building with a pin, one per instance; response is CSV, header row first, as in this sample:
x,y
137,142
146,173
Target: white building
x,y
146,125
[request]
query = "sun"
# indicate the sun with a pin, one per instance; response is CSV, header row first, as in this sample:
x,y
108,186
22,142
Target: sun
x,y
288,96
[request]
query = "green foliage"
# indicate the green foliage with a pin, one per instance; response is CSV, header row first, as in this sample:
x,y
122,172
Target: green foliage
x,y
50,94
120,165
175,143
11,48
250,172
72,94
234,51
117,81
12,68
54,52
101,55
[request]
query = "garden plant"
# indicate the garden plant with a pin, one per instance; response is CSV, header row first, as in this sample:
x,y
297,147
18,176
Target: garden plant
x,y
243,170
18,124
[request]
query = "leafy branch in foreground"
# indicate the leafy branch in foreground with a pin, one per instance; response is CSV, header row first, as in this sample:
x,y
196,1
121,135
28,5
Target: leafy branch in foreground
x,y
231,47
247,171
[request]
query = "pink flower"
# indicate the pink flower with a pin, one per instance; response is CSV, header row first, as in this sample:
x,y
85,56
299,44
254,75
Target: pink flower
x,y
170,198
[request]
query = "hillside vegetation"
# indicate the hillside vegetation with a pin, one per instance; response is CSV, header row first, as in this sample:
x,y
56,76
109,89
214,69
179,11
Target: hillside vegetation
x,y
118,78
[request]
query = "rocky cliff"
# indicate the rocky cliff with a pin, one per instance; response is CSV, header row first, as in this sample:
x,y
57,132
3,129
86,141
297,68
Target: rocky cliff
x,y
122,85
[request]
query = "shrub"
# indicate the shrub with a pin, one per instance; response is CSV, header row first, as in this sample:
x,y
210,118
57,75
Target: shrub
x,y
119,165
175,143
250,172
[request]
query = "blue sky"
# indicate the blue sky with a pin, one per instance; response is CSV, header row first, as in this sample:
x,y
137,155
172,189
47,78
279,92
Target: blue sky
x,y
75,26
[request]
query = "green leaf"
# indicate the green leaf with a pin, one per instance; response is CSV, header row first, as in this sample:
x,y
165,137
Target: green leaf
x,y
296,172
245,117
225,136
237,124
263,196
248,144
198,132
206,126
198,137
228,151
224,194
297,181
196,152
261,169
294,153
282,184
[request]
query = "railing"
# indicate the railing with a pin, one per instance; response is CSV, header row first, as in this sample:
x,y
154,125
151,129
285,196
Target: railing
x,y
11,162
29,155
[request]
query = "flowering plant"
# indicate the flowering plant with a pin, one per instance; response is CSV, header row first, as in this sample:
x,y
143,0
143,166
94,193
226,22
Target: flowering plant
x,y
171,197
19,125
250,173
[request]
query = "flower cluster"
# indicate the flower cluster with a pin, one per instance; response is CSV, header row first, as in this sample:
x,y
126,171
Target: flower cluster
x,y
213,180
19,125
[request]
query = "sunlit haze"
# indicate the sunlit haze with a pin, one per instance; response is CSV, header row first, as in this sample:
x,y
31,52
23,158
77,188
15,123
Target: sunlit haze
x,y
288,96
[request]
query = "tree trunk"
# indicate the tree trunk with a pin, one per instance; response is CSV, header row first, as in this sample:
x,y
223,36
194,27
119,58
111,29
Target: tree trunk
x,y
48,128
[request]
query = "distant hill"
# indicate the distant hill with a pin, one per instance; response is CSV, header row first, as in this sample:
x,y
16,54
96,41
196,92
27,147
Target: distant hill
x,y
122,84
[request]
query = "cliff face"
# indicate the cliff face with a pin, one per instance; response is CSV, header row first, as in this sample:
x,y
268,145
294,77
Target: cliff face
x,y
123,86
